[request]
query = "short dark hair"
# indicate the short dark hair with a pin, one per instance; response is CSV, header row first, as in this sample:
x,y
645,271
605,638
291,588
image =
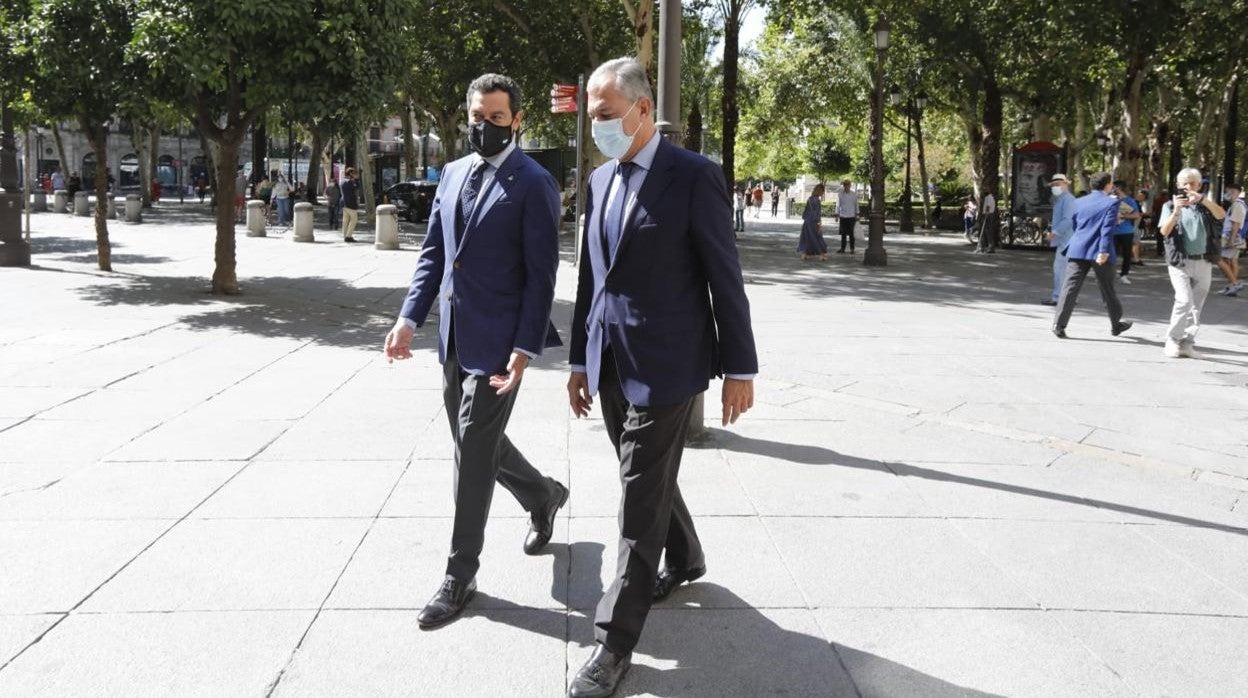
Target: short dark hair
x,y
493,82
1233,185
1120,183
1098,181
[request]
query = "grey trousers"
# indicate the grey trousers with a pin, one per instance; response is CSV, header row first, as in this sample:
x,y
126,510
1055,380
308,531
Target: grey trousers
x,y
1076,271
653,517
483,454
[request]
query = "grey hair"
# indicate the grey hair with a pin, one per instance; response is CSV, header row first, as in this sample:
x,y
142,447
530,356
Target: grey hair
x,y
1187,174
627,75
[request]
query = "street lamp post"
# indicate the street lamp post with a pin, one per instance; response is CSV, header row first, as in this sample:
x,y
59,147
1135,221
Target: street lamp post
x,y
876,256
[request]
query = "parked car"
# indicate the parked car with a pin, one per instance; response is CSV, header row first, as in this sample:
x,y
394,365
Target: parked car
x,y
412,199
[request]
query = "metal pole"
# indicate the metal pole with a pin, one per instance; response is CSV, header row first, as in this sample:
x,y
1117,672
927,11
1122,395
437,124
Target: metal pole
x,y
669,69
14,250
30,175
181,170
907,213
876,256
290,154
581,107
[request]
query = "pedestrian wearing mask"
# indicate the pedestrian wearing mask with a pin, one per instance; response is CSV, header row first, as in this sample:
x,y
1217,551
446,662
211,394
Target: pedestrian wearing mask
x,y
1232,240
1062,229
1189,224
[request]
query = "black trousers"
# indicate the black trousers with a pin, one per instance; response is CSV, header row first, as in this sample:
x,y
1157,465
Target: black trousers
x,y
653,516
1123,245
1076,272
483,454
847,233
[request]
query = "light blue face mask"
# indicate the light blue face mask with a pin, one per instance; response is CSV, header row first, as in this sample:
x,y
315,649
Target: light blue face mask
x,y
610,138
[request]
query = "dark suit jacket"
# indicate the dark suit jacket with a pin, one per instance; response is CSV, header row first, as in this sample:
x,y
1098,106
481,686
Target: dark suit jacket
x,y
498,285
1096,216
677,251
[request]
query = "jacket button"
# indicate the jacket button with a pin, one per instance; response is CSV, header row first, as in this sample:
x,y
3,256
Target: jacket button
x,y
455,265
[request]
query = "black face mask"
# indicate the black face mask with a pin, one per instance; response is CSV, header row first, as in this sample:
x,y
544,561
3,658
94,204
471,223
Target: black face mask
x,y
488,139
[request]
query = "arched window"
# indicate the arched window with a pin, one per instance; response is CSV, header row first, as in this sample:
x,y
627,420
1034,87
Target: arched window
x,y
167,171
88,168
130,171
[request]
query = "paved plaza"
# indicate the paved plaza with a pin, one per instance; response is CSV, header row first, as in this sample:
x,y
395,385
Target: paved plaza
x,y
933,497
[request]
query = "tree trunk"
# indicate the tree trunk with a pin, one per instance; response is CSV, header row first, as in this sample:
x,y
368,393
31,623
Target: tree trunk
x,y
259,152
641,16
992,159
142,148
728,103
366,178
927,194
1231,138
98,137
411,158
60,150
212,166
312,183
153,159
1132,128
693,133
1157,141
225,276
1176,153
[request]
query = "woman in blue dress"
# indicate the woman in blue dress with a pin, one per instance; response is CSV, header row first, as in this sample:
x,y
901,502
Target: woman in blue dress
x,y
811,242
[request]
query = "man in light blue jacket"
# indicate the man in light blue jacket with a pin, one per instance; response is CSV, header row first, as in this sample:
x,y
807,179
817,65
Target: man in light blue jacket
x,y
1063,228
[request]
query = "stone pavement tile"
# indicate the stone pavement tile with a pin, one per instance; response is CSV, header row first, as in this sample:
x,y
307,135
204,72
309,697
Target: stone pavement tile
x,y
495,652
1163,447
717,653
1197,427
188,438
49,566
42,350
351,432
935,442
740,555
218,565
1218,554
153,406
21,477
1168,655
158,654
836,486
403,562
1076,565
1010,492
267,400
1140,495
931,394
930,653
16,632
50,441
1051,420
891,563
121,491
21,402
426,489
290,489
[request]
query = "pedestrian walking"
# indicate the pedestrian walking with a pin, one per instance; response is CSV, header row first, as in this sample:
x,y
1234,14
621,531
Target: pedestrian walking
x,y
264,192
333,202
240,195
1232,239
1142,226
969,213
493,277
758,200
987,223
201,187
1091,248
775,200
1189,225
645,339
1124,234
847,214
58,180
738,207
350,204
1061,230
281,195
811,241
73,186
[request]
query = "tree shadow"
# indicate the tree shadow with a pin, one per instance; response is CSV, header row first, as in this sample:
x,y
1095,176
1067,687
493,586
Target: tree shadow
x,y
816,455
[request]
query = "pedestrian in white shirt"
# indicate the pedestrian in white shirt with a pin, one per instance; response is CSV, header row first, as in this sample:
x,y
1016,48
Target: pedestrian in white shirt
x,y
847,213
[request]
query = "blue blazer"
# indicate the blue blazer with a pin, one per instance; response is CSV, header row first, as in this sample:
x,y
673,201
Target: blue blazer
x,y
499,283
1094,220
676,253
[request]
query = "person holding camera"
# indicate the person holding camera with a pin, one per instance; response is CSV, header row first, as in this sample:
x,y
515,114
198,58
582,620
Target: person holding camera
x,y
1190,225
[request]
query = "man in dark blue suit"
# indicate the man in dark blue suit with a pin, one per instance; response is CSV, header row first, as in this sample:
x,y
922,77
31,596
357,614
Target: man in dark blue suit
x,y
1091,247
489,259
660,310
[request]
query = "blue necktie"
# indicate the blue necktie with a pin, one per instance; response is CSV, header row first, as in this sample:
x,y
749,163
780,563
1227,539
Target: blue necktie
x,y
468,199
613,228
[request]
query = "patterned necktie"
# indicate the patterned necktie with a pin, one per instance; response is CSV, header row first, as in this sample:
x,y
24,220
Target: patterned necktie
x,y
468,199
614,227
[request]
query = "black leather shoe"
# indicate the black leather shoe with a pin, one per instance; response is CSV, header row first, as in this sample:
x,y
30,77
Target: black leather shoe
x,y
669,579
448,603
1048,301
1121,327
542,525
1059,332
601,675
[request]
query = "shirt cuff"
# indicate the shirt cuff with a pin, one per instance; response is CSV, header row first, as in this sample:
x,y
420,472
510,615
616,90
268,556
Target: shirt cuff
x,y
529,354
411,324
740,376
579,368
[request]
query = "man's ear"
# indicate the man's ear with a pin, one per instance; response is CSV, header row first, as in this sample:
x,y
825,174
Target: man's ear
x,y
517,122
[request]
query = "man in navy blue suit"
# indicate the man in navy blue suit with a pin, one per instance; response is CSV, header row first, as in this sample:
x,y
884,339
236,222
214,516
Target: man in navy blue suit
x,y
1091,248
660,310
489,260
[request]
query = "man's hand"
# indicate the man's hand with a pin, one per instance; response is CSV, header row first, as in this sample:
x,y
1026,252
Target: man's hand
x,y
738,397
578,394
1102,258
399,342
1050,237
515,371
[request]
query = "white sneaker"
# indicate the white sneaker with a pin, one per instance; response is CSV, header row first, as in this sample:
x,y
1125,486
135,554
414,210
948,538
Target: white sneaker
x,y
1125,280
1226,291
1172,350
1188,350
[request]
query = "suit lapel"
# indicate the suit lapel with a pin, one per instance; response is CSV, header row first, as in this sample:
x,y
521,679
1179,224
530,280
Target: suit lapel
x,y
647,198
450,201
503,180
